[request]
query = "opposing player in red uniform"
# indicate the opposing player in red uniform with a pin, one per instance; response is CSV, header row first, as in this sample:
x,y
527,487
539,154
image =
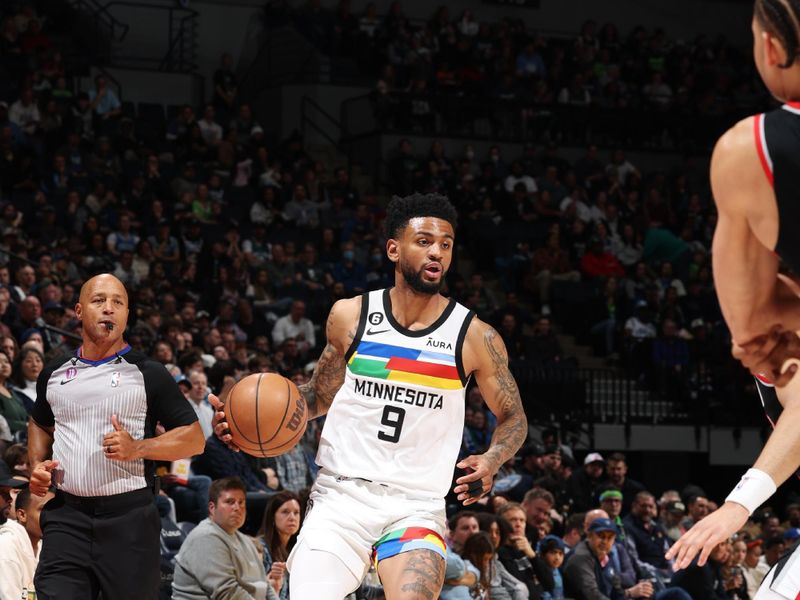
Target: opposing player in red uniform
x,y
755,178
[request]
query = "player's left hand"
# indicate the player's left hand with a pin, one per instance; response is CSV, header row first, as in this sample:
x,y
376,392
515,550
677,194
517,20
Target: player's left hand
x,y
706,534
480,475
766,355
220,423
119,444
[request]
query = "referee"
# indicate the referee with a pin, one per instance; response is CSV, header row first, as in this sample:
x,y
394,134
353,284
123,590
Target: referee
x,y
97,411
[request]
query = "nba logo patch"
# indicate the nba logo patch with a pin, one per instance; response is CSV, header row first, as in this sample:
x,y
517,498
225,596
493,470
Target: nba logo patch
x,y
71,373
115,379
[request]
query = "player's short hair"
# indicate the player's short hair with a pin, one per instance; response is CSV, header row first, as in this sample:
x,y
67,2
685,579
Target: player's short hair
x,y
781,18
402,209
223,485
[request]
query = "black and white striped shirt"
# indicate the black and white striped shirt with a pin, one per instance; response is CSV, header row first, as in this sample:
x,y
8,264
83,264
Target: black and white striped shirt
x,y
77,396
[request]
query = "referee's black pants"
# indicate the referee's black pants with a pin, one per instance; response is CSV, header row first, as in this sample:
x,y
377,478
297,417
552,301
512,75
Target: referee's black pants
x,y
108,544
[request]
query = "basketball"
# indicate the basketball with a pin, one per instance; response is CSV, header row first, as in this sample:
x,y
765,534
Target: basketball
x,y
266,414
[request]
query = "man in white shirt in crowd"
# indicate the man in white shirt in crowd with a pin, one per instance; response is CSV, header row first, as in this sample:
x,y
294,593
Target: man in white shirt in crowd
x,y
24,113
19,540
295,325
196,395
209,128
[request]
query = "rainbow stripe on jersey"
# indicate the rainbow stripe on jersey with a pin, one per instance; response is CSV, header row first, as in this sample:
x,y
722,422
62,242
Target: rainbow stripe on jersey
x,y
407,365
405,540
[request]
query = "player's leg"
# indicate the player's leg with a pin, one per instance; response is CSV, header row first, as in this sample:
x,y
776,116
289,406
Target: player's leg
x,y
319,574
334,547
412,575
411,550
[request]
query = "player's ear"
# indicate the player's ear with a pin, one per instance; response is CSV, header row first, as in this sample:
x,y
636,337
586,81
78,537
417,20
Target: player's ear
x,y
774,52
393,250
78,311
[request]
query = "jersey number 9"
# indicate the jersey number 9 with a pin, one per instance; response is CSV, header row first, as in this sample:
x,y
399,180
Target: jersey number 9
x,y
392,417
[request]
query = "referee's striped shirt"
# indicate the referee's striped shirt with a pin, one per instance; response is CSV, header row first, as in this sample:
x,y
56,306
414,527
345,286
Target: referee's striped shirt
x,y
77,396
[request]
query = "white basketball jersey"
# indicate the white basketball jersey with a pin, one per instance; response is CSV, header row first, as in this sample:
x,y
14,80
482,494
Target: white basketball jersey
x,y
398,419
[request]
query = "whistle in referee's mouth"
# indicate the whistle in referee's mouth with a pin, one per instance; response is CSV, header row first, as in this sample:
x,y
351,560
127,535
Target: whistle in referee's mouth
x,y
109,326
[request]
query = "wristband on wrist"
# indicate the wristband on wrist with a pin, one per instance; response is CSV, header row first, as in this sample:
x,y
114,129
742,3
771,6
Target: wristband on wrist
x,y
752,490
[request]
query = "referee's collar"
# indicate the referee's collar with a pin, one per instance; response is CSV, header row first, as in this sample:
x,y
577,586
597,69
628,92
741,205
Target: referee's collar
x,y
104,360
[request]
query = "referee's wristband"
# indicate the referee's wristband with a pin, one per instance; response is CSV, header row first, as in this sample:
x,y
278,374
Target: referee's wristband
x,y
752,490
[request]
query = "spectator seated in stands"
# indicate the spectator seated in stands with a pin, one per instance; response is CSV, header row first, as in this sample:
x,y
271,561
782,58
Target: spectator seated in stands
x,y
461,577
518,555
277,536
647,535
216,558
543,346
617,478
296,326
598,262
12,403
552,549
582,485
19,539
590,572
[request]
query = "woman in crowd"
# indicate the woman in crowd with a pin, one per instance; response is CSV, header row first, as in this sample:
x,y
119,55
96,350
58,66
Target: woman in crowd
x,y
9,346
16,457
12,403
27,366
735,583
278,535
502,585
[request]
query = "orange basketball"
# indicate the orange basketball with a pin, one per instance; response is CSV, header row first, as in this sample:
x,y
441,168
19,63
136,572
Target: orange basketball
x,y
266,414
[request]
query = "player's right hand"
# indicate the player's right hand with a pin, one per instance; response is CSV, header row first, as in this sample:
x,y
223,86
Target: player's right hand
x,y
42,477
706,534
219,423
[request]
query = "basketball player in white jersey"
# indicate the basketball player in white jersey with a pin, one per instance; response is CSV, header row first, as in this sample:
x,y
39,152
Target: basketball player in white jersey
x,y
391,381
755,171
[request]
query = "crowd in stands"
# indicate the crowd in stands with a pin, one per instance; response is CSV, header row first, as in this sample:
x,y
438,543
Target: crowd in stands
x,y
446,72
233,247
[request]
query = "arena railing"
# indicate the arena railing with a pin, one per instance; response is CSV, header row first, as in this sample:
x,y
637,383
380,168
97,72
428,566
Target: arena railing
x,y
555,392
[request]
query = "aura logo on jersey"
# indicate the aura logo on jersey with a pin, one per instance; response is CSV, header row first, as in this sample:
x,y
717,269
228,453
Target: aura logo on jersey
x,y
405,365
431,343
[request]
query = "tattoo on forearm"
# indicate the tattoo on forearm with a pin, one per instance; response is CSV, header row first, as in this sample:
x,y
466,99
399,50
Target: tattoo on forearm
x,y
325,382
328,375
423,574
512,427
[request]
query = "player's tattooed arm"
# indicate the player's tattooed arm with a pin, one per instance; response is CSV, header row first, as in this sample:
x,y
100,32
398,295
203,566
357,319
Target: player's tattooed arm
x,y
501,394
340,330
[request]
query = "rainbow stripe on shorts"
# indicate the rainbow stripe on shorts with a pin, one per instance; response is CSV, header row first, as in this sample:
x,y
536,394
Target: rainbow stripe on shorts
x,y
405,540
